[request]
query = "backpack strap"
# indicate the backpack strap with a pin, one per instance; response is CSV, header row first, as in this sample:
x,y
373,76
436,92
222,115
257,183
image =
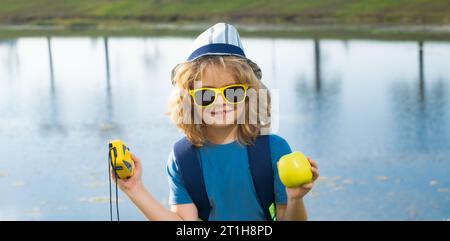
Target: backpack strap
x,y
260,161
187,160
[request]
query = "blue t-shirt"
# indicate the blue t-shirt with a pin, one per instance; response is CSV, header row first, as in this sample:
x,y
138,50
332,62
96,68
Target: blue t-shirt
x,y
228,180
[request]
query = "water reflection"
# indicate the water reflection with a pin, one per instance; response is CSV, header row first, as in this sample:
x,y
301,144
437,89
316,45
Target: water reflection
x,y
319,99
51,123
374,113
421,74
423,108
10,58
317,63
109,123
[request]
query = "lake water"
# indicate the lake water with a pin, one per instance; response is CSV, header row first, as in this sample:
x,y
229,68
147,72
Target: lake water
x,y
374,114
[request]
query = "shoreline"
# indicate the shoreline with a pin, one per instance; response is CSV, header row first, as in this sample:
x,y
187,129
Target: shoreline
x,y
326,31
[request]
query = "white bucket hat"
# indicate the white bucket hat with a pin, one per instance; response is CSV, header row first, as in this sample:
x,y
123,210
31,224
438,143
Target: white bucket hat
x,y
220,39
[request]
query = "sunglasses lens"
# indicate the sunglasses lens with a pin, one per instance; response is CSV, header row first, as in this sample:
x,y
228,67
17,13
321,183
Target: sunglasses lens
x,y
204,97
235,94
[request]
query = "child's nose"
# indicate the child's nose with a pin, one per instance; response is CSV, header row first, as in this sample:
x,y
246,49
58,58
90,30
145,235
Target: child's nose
x,y
220,100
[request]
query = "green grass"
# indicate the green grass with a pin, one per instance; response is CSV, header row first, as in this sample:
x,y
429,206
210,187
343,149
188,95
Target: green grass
x,y
135,30
137,17
248,11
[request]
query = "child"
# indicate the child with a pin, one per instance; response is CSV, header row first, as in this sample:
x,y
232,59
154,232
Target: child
x,y
224,169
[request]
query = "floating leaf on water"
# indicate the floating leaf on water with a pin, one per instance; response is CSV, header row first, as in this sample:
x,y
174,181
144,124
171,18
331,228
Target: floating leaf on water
x,y
348,181
382,178
331,184
36,211
97,199
443,190
322,178
106,126
433,182
335,178
313,194
19,183
339,188
94,184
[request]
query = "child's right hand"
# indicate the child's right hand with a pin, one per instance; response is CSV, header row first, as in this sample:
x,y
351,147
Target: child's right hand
x,y
134,182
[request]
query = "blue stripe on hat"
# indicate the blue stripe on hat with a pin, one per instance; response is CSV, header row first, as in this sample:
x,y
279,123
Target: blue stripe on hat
x,y
225,49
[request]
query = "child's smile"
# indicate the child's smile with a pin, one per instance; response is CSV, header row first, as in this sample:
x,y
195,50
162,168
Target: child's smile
x,y
223,111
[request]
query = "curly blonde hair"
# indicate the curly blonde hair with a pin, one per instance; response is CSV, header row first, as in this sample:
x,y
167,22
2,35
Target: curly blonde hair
x,y
183,77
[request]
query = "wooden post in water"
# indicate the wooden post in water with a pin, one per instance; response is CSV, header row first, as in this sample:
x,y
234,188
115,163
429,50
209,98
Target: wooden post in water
x,y
421,72
50,60
317,63
109,107
108,74
54,124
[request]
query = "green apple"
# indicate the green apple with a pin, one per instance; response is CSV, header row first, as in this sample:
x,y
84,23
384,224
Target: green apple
x,y
294,169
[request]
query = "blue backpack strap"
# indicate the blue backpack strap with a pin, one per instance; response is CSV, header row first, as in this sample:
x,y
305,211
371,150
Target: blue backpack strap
x,y
260,161
188,162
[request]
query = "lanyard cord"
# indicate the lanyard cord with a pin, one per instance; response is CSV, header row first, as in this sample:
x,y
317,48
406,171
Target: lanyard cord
x,y
110,191
117,192
109,180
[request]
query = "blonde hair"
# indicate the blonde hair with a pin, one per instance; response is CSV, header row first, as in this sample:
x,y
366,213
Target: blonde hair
x,y
183,78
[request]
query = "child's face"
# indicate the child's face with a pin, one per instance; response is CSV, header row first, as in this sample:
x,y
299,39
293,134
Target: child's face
x,y
220,113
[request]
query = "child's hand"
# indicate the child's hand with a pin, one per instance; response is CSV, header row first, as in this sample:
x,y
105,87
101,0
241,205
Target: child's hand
x,y
134,182
301,191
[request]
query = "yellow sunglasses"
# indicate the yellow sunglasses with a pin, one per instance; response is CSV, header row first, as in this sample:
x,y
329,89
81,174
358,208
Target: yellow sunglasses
x,y
233,94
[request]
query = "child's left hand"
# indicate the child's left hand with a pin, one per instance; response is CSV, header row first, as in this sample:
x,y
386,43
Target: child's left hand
x,y
301,191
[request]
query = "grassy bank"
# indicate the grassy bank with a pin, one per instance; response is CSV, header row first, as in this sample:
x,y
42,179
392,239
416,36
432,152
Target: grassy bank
x,y
273,31
385,19
81,12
